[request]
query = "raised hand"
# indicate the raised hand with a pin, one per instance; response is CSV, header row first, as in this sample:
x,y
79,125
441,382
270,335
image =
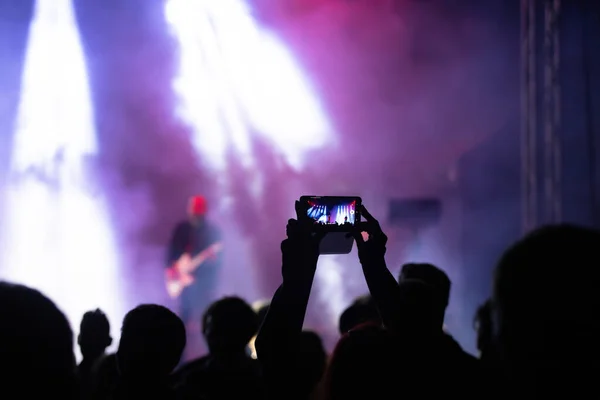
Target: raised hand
x,y
382,284
300,251
372,246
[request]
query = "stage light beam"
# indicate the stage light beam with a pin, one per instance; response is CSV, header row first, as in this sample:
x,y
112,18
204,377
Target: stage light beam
x,y
57,236
237,79
238,82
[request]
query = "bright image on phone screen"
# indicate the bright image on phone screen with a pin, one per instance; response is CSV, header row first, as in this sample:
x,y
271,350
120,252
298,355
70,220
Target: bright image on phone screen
x,y
332,211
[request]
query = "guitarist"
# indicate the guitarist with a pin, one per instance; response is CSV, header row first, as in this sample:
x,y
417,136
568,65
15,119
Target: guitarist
x,y
191,238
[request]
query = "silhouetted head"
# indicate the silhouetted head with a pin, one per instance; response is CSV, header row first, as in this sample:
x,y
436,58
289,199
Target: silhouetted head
x,y
434,277
94,334
362,310
152,341
363,365
365,299
228,325
417,308
36,345
311,361
197,208
545,298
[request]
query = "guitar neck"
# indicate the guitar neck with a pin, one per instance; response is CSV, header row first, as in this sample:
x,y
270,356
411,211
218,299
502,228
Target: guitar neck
x,y
200,258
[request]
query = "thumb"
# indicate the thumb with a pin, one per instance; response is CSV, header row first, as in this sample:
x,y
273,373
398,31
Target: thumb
x,y
301,210
356,233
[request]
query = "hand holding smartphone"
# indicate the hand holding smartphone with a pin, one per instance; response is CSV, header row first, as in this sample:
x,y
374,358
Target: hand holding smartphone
x,y
336,216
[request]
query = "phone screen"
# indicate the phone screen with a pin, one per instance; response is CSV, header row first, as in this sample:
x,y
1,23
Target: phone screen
x,y
333,212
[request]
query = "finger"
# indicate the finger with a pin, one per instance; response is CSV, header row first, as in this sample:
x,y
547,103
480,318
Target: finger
x,y
357,235
372,225
365,213
360,228
301,210
292,228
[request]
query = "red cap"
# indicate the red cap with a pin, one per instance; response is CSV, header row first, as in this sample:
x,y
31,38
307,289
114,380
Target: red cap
x,y
197,206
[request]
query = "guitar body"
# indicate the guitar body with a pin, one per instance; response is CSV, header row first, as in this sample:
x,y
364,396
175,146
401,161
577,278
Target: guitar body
x,y
177,277
180,275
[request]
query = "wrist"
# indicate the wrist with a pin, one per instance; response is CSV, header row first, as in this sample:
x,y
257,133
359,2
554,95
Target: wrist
x,y
374,262
298,275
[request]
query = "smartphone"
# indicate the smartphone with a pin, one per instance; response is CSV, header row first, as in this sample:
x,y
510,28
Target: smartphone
x,y
336,215
333,213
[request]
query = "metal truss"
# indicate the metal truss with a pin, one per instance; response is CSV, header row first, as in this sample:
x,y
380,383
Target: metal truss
x,y
540,145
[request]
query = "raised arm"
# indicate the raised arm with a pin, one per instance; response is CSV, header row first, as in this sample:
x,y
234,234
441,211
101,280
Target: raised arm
x,y
382,285
275,344
285,318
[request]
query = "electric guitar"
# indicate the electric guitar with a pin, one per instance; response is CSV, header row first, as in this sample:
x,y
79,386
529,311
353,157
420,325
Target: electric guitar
x,y
180,275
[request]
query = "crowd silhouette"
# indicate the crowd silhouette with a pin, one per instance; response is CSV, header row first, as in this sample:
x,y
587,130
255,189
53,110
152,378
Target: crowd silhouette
x,y
537,335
